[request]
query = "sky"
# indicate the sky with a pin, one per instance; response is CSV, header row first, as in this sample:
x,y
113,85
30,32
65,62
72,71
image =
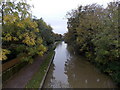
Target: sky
x,y
53,12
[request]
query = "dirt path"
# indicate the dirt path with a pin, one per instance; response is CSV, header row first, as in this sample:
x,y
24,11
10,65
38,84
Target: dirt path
x,y
20,79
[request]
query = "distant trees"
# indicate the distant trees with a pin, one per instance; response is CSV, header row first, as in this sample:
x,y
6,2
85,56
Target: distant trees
x,y
93,32
48,36
46,31
58,37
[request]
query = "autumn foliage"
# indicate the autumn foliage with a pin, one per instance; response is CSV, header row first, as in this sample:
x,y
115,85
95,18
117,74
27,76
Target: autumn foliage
x,y
21,34
93,32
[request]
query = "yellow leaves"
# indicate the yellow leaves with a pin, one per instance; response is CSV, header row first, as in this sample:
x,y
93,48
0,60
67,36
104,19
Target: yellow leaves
x,y
33,24
15,39
41,53
28,40
36,30
7,37
42,48
29,23
10,18
21,24
3,53
27,19
21,33
39,40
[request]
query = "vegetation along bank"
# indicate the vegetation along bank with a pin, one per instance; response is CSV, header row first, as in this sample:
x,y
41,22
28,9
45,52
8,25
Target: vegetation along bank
x,y
93,31
23,36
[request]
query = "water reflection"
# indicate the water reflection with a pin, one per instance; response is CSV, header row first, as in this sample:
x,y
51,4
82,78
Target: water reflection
x,y
82,74
72,71
56,77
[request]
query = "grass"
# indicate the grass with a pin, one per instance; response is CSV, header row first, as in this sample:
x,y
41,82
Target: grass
x,y
38,76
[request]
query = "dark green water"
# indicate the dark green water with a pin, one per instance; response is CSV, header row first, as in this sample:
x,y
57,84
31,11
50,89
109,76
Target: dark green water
x,y
71,71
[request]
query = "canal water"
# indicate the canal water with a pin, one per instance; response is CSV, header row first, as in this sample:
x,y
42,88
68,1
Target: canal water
x,y
71,71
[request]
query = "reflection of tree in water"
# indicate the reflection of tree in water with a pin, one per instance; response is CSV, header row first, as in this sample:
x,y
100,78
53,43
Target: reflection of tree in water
x,y
70,49
81,74
51,81
59,84
70,69
76,78
70,72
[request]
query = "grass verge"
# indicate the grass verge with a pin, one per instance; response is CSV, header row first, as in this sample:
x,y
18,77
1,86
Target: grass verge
x,y
38,76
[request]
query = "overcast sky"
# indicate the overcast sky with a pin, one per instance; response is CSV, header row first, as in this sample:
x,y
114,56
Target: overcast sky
x,y
53,11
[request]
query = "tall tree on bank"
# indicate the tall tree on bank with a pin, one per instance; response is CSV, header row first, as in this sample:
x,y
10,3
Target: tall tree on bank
x,y
20,35
94,32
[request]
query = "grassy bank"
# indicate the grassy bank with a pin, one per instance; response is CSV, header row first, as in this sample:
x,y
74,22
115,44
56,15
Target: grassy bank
x,y
38,76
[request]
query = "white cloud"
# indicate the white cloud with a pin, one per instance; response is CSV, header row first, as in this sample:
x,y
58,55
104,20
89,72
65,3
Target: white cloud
x,y
53,11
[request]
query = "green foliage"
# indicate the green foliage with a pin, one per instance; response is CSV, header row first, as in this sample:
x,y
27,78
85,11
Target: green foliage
x,y
57,37
48,36
3,52
93,30
46,31
20,33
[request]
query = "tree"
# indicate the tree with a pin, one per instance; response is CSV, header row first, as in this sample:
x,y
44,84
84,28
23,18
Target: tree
x,y
93,31
46,31
20,33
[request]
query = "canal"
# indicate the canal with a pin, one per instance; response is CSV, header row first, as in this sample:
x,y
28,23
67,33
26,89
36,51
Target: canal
x,y
71,71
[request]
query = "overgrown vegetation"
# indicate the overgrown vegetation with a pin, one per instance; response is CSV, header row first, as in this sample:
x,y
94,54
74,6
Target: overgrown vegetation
x,y
93,31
